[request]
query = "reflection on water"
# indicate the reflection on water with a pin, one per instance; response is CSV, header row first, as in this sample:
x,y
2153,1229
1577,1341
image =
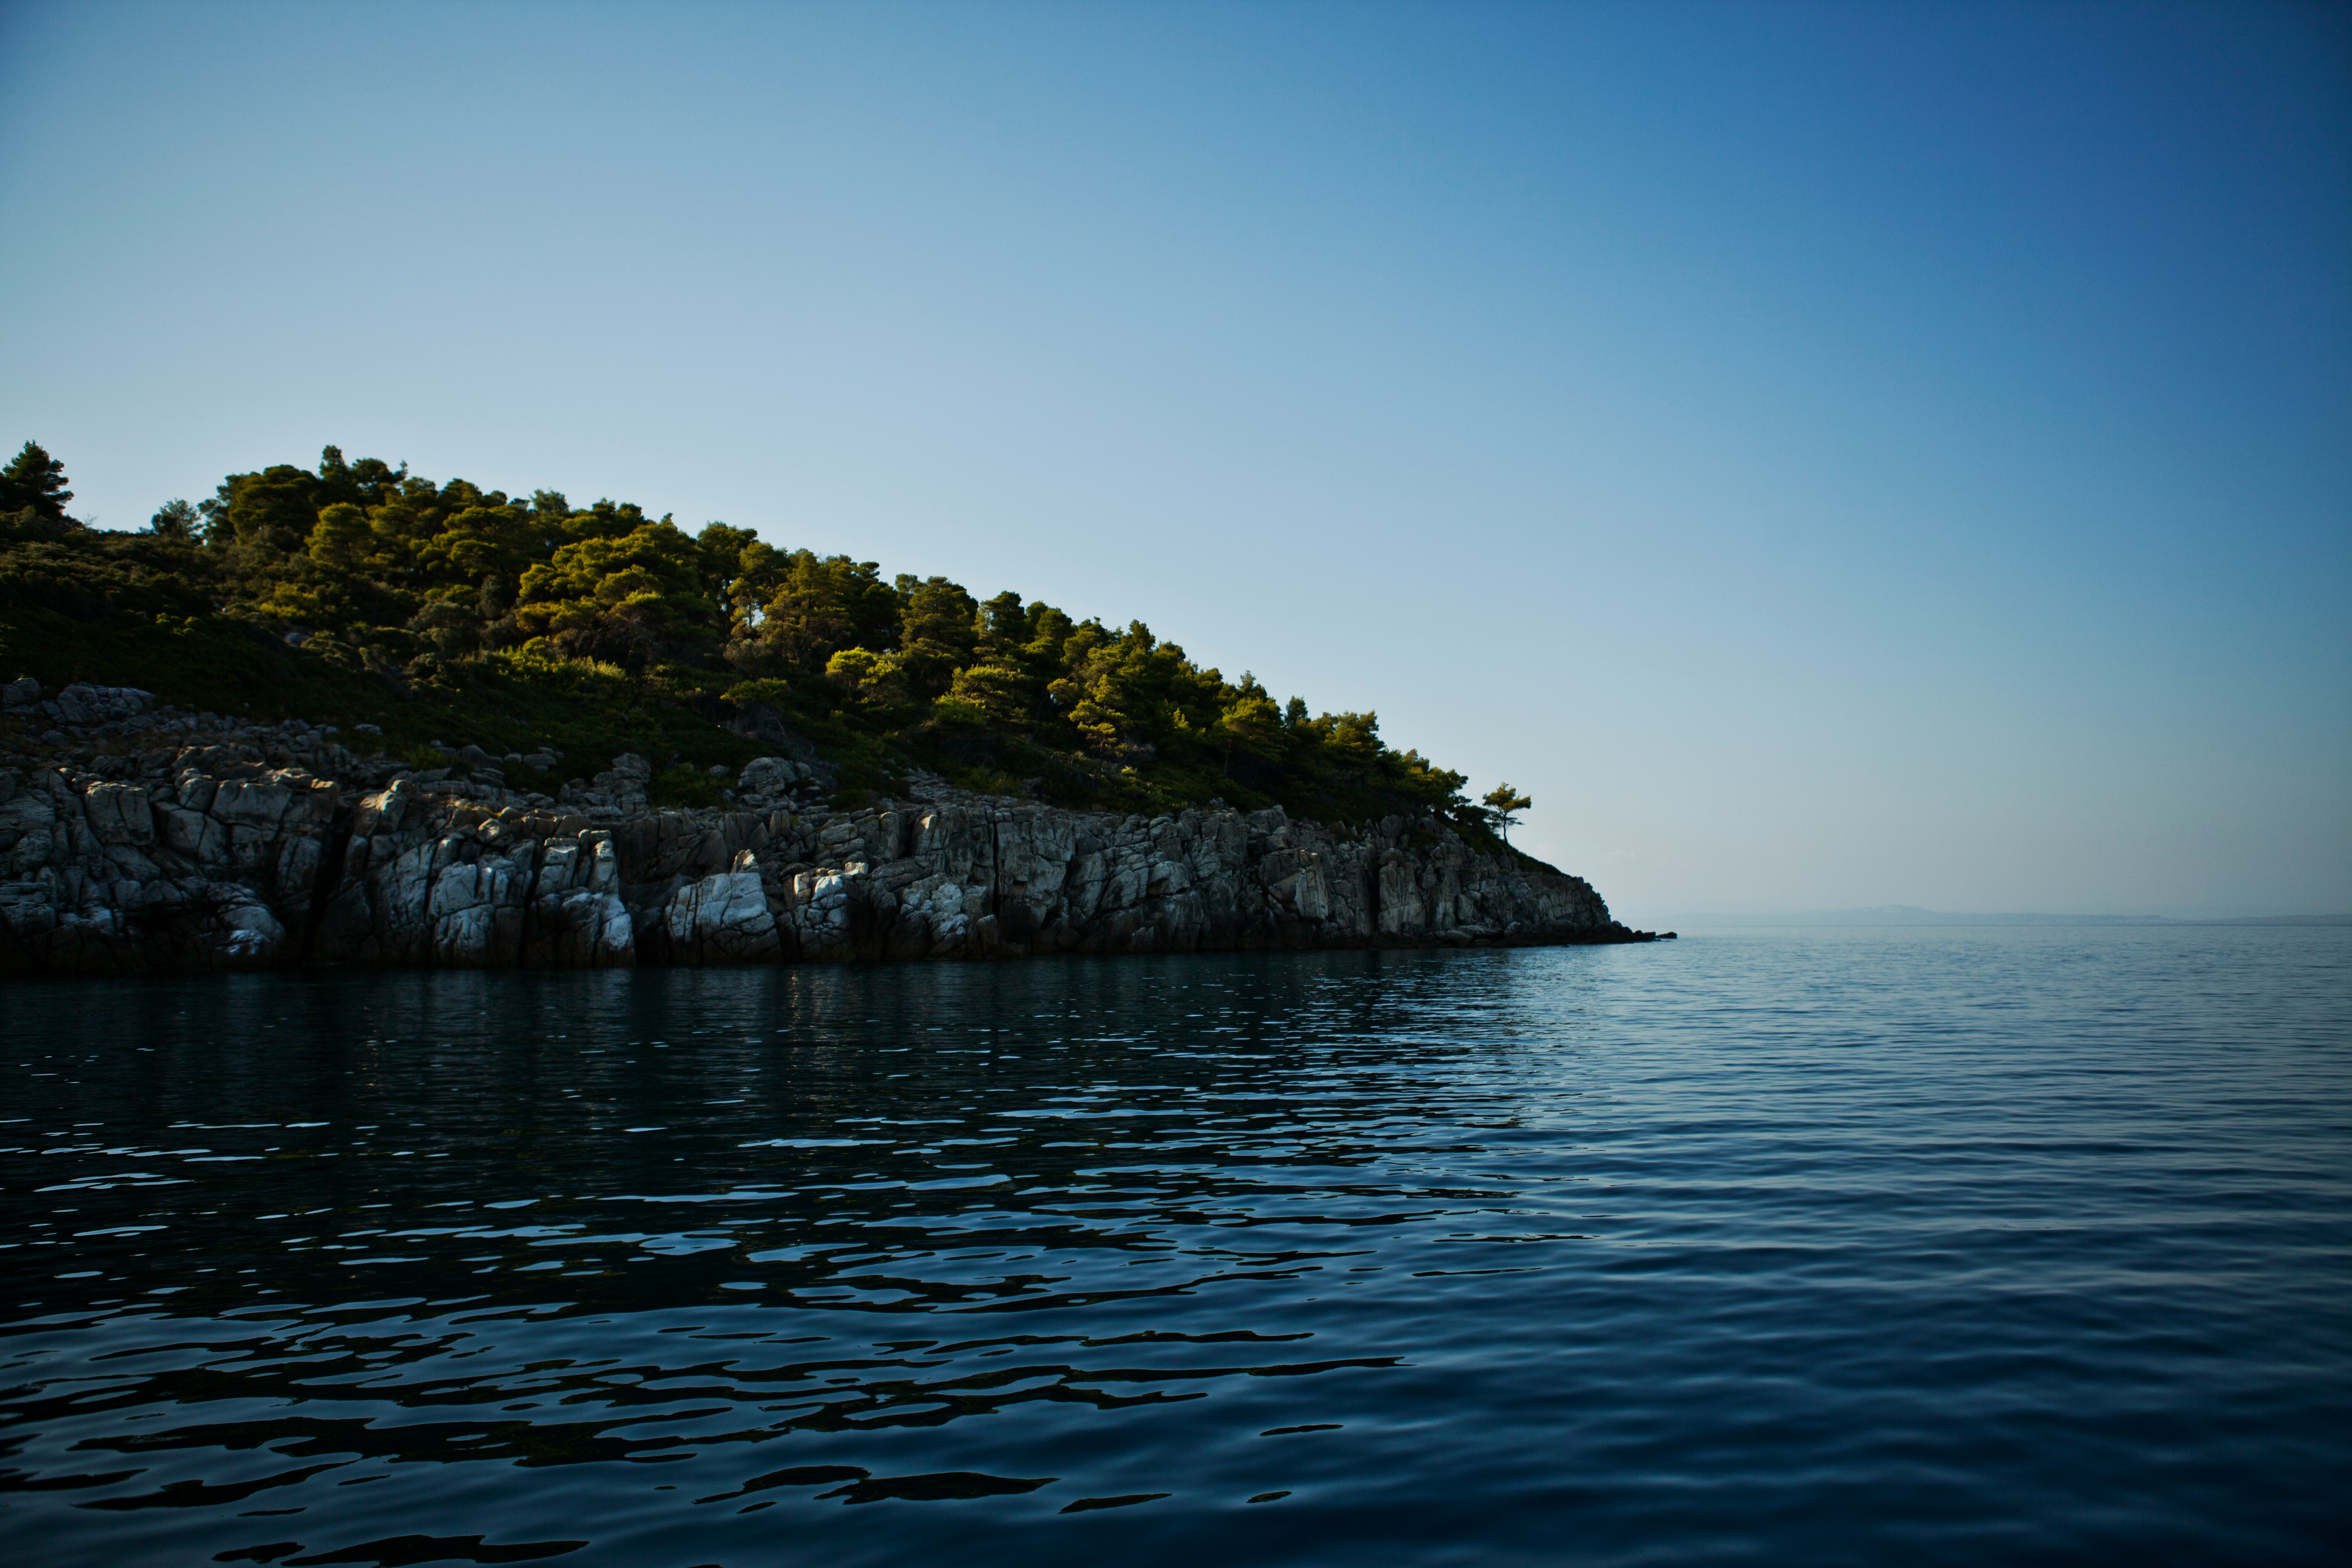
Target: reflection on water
x,y
1965,1245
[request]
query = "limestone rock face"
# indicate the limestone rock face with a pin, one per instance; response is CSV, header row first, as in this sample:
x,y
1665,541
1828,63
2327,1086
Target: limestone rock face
x,y
200,870
578,921
191,847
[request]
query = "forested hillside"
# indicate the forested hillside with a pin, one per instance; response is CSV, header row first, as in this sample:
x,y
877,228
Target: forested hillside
x,y
357,592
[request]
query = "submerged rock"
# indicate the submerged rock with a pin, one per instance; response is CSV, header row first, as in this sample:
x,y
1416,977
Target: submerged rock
x,y
220,846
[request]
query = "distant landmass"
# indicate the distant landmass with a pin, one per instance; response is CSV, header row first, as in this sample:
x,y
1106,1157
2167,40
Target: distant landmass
x,y
1910,915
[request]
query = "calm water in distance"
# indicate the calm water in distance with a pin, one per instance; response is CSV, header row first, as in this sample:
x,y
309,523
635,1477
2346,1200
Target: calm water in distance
x,y
1930,1246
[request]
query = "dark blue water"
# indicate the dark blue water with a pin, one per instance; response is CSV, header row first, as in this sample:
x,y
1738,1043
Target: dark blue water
x,y
1939,1246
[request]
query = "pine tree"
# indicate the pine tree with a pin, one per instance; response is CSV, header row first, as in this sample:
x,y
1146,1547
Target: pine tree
x,y
1503,805
35,480
174,520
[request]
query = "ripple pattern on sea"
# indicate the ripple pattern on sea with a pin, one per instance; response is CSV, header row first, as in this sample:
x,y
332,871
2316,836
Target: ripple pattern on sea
x,y
1819,1246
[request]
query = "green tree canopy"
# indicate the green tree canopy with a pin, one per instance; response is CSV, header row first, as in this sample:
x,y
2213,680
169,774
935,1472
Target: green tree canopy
x,y
1502,804
175,520
793,610
448,593
34,481
628,599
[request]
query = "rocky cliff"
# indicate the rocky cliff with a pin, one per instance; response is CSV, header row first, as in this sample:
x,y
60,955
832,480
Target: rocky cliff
x,y
137,839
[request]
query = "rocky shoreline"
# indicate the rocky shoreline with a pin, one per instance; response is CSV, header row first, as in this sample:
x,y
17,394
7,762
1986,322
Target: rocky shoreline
x,y
139,839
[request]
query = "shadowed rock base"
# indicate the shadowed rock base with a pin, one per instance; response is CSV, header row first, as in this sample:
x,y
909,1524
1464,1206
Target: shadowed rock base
x,y
159,843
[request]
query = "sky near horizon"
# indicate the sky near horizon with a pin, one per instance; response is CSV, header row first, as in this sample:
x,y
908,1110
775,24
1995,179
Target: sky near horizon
x,y
1826,454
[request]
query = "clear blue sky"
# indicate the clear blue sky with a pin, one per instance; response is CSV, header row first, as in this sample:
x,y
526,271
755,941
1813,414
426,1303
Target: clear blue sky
x,y
1826,454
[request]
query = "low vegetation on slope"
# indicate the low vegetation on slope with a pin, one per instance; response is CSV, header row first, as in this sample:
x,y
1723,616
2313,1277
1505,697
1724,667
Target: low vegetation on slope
x,y
357,592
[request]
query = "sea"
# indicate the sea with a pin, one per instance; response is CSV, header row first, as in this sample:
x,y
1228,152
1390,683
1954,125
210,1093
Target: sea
x,y
1916,1246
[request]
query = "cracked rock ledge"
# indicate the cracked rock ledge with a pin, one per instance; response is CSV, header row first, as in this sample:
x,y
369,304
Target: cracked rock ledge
x,y
143,840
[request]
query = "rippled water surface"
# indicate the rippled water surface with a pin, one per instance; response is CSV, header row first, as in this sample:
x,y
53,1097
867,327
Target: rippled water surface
x,y
1940,1246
